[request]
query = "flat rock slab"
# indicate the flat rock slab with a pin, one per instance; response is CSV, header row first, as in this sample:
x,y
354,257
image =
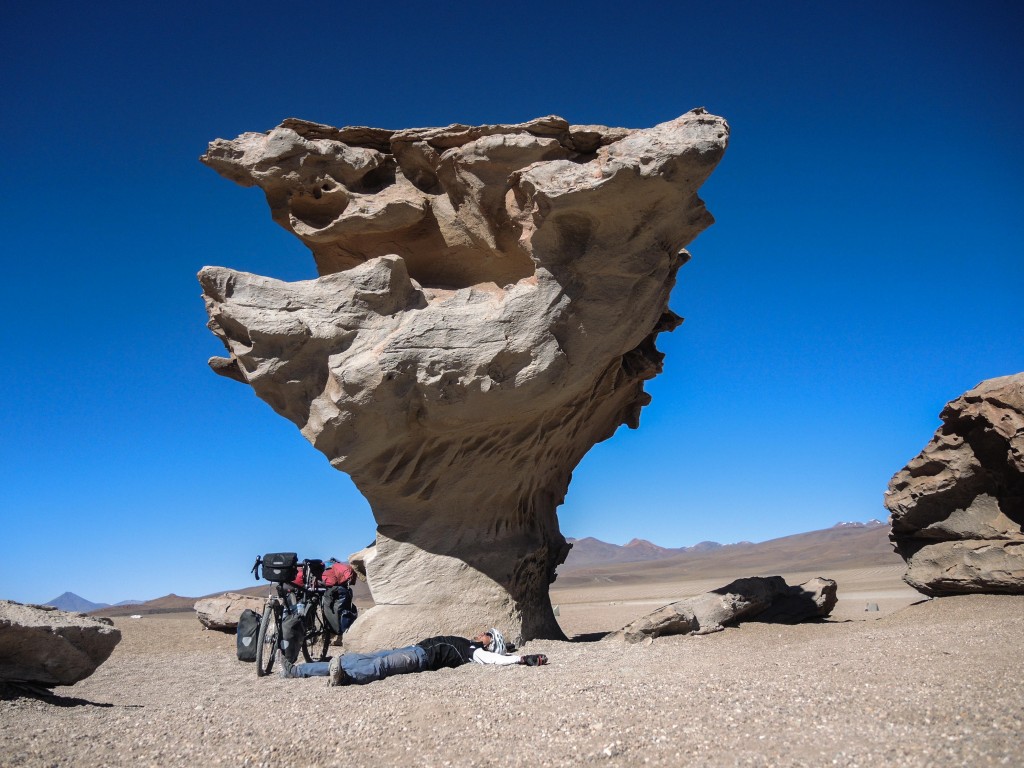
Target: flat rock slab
x,y
46,647
757,598
222,612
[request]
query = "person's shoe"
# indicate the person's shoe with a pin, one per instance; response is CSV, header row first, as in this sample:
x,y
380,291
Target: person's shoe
x,y
286,668
535,660
335,674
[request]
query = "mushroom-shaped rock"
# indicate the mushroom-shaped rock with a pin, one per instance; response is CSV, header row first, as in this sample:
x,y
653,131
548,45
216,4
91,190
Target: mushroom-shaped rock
x,y
958,507
43,646
487,309
223,611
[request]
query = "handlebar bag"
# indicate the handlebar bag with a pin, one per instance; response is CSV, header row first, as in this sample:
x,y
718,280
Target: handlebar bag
x,y
280,566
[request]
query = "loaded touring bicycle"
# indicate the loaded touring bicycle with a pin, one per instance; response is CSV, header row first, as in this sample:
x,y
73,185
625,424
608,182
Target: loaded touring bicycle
x,y
302,615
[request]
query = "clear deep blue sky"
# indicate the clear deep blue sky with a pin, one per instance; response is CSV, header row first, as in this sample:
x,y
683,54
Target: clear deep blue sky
x,y
866,265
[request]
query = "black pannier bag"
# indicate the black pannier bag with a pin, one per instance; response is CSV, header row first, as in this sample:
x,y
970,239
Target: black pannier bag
x,y
246,634
280,566
339,610
292,632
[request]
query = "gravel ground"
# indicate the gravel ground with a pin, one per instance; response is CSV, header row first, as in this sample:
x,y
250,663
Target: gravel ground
x,y
939,683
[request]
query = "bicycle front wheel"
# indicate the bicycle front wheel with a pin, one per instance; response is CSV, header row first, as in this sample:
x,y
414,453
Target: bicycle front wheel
x,y
268,639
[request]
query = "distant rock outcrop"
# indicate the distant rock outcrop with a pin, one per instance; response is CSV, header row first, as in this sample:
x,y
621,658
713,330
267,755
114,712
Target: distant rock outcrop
x,y
487,310
751,599
44,646
222,612
958,507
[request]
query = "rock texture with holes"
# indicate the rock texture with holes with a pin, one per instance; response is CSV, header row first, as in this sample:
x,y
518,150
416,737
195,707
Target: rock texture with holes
x,y
958,507
487,309
44,646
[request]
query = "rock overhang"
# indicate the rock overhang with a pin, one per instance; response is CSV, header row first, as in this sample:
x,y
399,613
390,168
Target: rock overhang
x,y
447,199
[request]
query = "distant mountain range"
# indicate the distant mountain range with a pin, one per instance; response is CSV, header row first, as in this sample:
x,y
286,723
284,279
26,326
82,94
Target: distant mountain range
x,y
591,551
846,544
167,604
69,601
176,603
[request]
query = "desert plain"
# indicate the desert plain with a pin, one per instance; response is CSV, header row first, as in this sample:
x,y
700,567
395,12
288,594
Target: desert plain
x,y
917,682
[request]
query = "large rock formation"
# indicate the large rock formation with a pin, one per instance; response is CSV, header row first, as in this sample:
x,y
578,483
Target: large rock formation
x,y
44,646
223,611
756,598
958,507
487,309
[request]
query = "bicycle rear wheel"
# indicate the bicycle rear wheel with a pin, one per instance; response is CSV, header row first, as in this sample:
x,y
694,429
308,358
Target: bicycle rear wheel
x,y
318,636
268,638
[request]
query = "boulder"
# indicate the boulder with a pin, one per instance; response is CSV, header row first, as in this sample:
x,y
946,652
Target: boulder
x,y
223,611
958,507
756,598
44,646
487,308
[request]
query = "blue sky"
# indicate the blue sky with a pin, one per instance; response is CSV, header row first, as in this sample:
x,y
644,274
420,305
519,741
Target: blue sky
x,y
866,265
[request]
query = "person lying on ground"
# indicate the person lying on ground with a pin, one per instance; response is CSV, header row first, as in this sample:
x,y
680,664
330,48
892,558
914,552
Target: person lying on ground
x,y
430,654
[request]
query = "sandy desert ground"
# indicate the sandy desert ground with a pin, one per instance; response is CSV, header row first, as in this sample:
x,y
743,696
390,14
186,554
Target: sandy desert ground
x,y
916,683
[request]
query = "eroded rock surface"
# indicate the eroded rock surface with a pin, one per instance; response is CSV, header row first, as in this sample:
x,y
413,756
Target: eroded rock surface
x,y
756,598
223,611
487,310
958,507
46,647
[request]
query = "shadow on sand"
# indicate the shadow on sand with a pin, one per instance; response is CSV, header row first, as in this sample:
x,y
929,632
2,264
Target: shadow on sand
x,y
11,691
589,637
